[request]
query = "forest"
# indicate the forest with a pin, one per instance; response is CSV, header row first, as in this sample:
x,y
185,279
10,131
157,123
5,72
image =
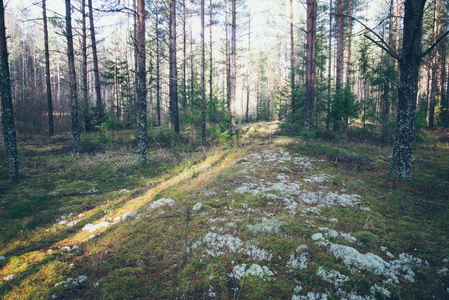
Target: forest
x,y
223,149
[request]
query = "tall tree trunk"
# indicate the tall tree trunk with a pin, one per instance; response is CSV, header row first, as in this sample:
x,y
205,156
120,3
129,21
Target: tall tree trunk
x,y
211,69
9,130
292,60
135,52
141,84
310,63
72,75
340,46
84,65
184,51
441,88
51,130
203,89
228,54
248,66
329,79
173,69
401,163
233,67
95,60
158,69
434,65
348,62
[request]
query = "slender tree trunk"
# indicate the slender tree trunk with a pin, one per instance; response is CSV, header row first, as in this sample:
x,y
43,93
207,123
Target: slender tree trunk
x,y
203,89
84,66
95,61
401,163
348,62
292,60
72,75
340,45
434,66
51,130
249,66
228,54
9,130
310,63
135,52
141,84
443,47
158,69
173,69
233,67
211,69
184,51
329,79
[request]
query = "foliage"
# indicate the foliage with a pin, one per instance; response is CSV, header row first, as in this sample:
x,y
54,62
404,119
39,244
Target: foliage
x,y
343,107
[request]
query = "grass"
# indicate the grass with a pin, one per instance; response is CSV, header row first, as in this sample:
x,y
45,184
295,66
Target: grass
x,y
177,251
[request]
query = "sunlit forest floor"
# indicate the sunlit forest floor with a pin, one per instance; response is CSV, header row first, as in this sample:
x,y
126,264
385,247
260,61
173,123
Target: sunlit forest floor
x,y
273,216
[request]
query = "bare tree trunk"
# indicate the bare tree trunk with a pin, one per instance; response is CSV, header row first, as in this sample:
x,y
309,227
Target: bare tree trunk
x,y
135,52
340,45
158,69
203,89
9,130
95,60
211,69
233,67
249,65
173,69
348,62
184,50
329,79
51,130
72,75
310,63
141,84
84,65
434,65
292,60
401,163
228,54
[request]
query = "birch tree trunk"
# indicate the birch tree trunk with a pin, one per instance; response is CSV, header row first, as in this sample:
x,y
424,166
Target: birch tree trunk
x,y
95,61
401,163
141,85
9,129
72,76
51,130
310,63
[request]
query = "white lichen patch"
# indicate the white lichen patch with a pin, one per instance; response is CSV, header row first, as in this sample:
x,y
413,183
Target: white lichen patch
x,y
162,202
332,276
72,281
240,271
96,227
197,206
266,226
298,259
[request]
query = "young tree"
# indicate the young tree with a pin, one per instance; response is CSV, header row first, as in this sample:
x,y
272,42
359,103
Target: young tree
x,y
47,71
173,69
203,91
72,79
95,61
310,63
9,130
141,84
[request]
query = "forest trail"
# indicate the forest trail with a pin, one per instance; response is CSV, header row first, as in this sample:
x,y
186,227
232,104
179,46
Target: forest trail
x,y
256,221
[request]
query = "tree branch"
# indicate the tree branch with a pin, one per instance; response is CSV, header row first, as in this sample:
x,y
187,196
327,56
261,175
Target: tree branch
x,y
388,50
435,44
391,81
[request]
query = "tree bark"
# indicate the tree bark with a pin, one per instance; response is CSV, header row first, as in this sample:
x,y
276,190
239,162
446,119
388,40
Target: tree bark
x,y
72,75
249,65
203,91
348,62
233,67
310,63
340,46
292,60
9,130
173,69
211,69
434,66
95,61
158,69
141,85
184,51
329,74
84,65
228,54
401,163
51,130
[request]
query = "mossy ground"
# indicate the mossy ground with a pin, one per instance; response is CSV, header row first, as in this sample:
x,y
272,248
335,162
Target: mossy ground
x,y
157,254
